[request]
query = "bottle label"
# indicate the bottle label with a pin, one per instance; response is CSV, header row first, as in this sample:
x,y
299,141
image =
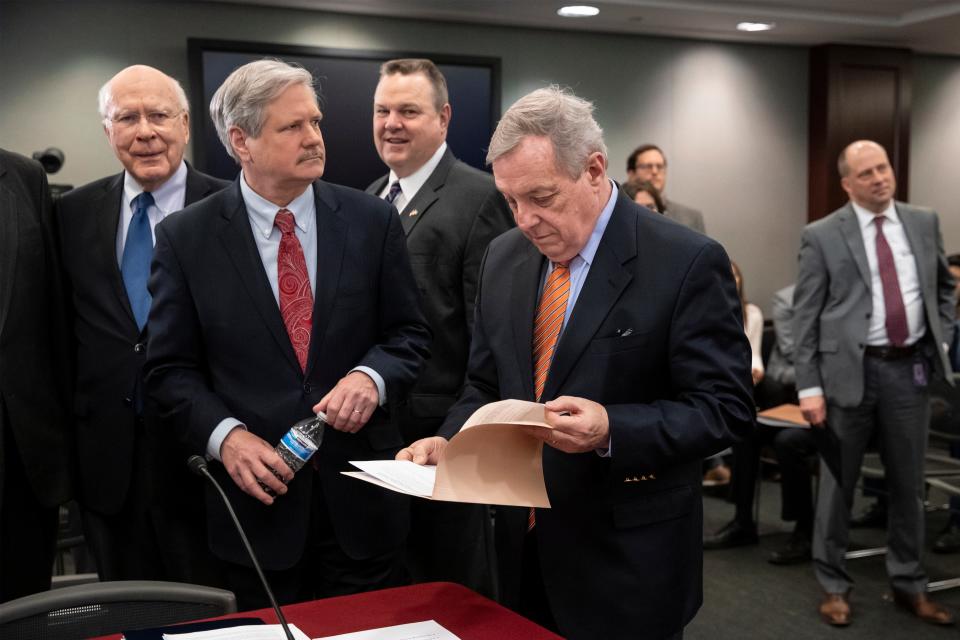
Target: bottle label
x,y
298,446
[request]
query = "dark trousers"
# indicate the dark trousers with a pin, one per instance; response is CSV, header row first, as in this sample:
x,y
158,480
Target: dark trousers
x,y
449,542
323,571
897,412
793,448
28,530
159,532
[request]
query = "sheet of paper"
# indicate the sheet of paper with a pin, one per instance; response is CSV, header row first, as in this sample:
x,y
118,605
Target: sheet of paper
x,y
401,475
428,630
508,412
785,415
251,632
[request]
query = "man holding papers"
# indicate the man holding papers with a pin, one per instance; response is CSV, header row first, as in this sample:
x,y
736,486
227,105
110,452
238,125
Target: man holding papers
x,y
628,326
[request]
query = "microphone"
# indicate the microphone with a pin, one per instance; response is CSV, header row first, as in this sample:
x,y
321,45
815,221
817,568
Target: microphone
x,y
198,465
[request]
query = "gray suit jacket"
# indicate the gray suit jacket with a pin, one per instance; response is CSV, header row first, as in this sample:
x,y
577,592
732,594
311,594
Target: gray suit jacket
x,y
448,224
832,301
687,216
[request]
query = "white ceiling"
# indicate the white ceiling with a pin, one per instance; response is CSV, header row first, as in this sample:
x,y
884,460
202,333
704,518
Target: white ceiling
x,y
928,26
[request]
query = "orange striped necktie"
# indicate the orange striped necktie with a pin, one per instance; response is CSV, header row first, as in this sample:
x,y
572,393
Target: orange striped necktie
x,y
549,321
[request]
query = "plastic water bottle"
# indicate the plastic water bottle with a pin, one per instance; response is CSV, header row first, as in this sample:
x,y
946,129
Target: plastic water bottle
x,y
300,443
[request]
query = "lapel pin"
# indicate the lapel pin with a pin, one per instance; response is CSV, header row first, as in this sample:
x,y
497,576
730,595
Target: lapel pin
x,y
413,213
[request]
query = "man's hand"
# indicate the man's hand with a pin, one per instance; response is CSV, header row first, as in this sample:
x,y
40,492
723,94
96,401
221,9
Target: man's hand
x,y
249,458
579,425
814,410
757,375
424,451
351,403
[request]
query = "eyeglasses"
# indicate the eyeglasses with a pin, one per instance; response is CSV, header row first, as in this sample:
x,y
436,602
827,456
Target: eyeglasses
x,y
650,166
129,120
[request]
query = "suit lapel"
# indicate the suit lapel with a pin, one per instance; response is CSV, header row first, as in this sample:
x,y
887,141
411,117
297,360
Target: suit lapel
x,y
331,243
524,292
850,228
421,203
916,240
605,281
237,238
107,212
9,214
198,187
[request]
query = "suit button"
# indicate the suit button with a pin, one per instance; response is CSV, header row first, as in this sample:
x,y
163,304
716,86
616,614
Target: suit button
x,y
860,346
868,314
138,348
128,401
307,388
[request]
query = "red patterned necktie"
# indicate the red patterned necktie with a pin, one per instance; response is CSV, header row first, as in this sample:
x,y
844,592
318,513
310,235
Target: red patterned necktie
x,y
896,314
293,283
546,333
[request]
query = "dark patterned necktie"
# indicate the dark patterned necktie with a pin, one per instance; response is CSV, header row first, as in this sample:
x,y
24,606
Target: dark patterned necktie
x,y
394,193
293,284
896,321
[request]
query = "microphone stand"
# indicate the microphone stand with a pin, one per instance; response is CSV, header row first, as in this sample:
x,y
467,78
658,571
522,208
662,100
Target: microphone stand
x,y
199,466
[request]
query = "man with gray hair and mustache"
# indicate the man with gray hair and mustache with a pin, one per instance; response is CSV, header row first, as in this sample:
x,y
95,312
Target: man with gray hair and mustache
x,y
278,297
598,307
142,516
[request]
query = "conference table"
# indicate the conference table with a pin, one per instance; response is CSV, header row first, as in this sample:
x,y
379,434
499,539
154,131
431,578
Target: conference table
x,y
463,612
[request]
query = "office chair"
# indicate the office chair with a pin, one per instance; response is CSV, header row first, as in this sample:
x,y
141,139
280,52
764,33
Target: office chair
x,y
102,608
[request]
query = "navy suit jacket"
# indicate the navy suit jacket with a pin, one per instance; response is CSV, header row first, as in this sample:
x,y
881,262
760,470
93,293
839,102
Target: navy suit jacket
x,y
656,336
110,352
218,348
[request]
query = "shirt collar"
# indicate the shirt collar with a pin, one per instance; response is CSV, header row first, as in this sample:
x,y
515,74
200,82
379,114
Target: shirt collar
x,y
866,217
169,197
593,243
263,212
415,181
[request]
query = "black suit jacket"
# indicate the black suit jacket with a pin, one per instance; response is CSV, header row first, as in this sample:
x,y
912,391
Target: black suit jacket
x,y
218,348
449,224
35,363
656,337
111,349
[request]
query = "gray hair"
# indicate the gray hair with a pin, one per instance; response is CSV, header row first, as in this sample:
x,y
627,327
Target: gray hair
x,y
558,115
244,96
105,96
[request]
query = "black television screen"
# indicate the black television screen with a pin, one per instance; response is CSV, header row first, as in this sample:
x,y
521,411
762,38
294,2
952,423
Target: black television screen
x,y
346,80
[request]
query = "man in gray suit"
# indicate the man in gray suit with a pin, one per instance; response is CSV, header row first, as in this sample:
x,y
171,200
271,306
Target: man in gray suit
x,y
449,212
647,162
873,313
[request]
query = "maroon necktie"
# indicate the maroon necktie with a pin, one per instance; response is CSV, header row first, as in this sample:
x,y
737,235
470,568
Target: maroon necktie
x,y
293,283
896,323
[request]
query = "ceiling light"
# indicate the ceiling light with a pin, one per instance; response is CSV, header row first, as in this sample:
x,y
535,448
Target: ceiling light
x,y
756,26
578,11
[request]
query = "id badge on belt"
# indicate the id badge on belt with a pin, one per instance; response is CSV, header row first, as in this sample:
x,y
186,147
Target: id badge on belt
x,y
919,373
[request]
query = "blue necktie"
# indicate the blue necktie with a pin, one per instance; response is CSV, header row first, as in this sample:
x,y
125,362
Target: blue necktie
x,y
394,192
137,254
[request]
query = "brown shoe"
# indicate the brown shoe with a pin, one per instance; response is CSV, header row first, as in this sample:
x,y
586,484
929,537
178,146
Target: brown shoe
x,y
835,609
920,605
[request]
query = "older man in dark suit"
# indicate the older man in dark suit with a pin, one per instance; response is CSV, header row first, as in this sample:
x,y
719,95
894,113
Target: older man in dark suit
x,y
36,457
142,514
450,212
873,318
594,305
279,296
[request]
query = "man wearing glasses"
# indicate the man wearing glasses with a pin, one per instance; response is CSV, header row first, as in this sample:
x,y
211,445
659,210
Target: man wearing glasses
x,y
130,474
647,162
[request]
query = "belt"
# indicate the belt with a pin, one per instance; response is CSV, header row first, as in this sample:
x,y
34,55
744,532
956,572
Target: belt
x,y
890,352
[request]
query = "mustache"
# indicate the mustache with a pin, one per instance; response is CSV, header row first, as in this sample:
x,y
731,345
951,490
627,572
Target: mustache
x,y
316,154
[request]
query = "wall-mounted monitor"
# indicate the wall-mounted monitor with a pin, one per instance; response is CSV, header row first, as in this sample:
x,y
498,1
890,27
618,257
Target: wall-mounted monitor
x,y
346,79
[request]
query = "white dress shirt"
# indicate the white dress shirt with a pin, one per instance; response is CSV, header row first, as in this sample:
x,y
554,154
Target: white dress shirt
x,y
168,198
